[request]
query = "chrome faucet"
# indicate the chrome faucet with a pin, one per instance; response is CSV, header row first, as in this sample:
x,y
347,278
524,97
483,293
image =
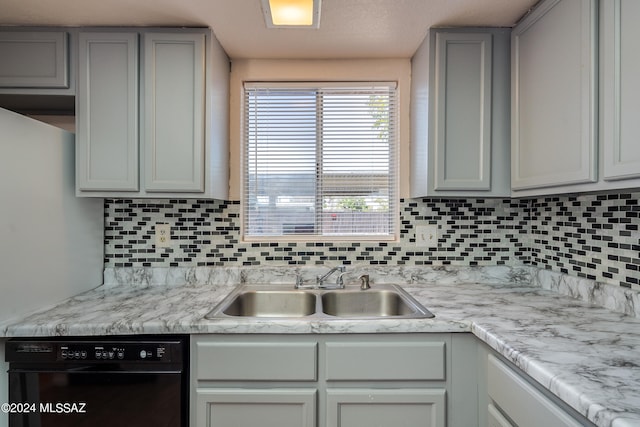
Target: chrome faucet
x,y
320,280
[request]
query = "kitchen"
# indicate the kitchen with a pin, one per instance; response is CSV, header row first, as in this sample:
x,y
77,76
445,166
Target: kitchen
x,y
578,238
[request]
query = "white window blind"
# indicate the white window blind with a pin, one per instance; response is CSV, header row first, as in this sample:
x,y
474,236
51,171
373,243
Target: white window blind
x,y
320,160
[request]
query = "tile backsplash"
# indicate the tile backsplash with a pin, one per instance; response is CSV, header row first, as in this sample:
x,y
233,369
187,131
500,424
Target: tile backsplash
x,y
594,236
591,236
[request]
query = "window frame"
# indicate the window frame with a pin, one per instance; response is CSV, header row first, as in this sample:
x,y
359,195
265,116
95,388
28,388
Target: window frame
x,y
394,162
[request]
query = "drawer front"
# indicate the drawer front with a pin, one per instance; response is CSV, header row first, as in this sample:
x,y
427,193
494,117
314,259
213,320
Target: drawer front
x,y
525,405
401,361
256,361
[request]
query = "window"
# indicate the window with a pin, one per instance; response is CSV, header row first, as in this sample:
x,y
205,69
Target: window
x,y
319,161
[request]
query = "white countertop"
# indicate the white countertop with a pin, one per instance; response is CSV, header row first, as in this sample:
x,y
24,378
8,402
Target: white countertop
x,y
586,355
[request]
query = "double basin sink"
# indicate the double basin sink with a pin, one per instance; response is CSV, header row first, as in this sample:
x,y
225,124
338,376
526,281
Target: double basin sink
x,y
278,301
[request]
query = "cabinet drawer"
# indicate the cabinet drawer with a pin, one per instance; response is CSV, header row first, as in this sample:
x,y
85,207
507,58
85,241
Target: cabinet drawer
x,y
385,361
525,405
256,361
34,60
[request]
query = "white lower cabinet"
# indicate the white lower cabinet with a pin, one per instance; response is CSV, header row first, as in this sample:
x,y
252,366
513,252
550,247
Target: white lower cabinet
x,y
520,401
364,380
246,381
346,380
357,374
511,399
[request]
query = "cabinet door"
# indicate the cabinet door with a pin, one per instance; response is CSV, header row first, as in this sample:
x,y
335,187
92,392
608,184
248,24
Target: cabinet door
x,y
379,407
553,95
174,108
34,59
107,112
620,62
460,106
250,408
463,111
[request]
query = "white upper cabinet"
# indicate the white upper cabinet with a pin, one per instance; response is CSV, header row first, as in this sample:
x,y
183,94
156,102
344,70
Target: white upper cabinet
x,y
107,111
553,117
460,114
576,98
34,61
174,112
152,111
463,111
620,89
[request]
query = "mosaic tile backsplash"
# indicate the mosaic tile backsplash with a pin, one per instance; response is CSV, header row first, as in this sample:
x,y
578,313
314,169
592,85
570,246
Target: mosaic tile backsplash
x,y
591,236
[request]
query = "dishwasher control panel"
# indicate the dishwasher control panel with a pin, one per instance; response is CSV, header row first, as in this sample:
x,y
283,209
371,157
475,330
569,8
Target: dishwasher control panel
x,y
94,351
114,351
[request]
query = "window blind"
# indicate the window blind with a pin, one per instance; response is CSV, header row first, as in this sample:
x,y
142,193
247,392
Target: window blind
x,y
319,160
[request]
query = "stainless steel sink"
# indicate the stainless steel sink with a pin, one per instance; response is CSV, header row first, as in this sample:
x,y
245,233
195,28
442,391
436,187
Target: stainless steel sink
x,y
269,301
369,303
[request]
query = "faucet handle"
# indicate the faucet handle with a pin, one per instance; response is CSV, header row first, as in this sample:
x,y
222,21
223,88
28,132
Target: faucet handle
x,y
339,280
301,283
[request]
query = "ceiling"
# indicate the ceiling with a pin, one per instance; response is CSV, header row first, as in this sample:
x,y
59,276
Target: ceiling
x,y
348,28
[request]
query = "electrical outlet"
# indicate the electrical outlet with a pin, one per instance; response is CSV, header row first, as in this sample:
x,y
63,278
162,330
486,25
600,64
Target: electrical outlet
x,y
163,235
427,236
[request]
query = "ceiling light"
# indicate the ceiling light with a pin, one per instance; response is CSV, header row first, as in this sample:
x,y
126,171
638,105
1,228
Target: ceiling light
x,y
291,13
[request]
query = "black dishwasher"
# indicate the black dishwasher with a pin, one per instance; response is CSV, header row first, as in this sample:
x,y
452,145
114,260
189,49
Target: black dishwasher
x,y
84,381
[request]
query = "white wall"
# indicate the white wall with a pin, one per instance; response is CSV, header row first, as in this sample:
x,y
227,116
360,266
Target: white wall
x,y
51,243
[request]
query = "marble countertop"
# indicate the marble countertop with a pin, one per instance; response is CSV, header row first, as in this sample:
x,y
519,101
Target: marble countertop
x,y
586,355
